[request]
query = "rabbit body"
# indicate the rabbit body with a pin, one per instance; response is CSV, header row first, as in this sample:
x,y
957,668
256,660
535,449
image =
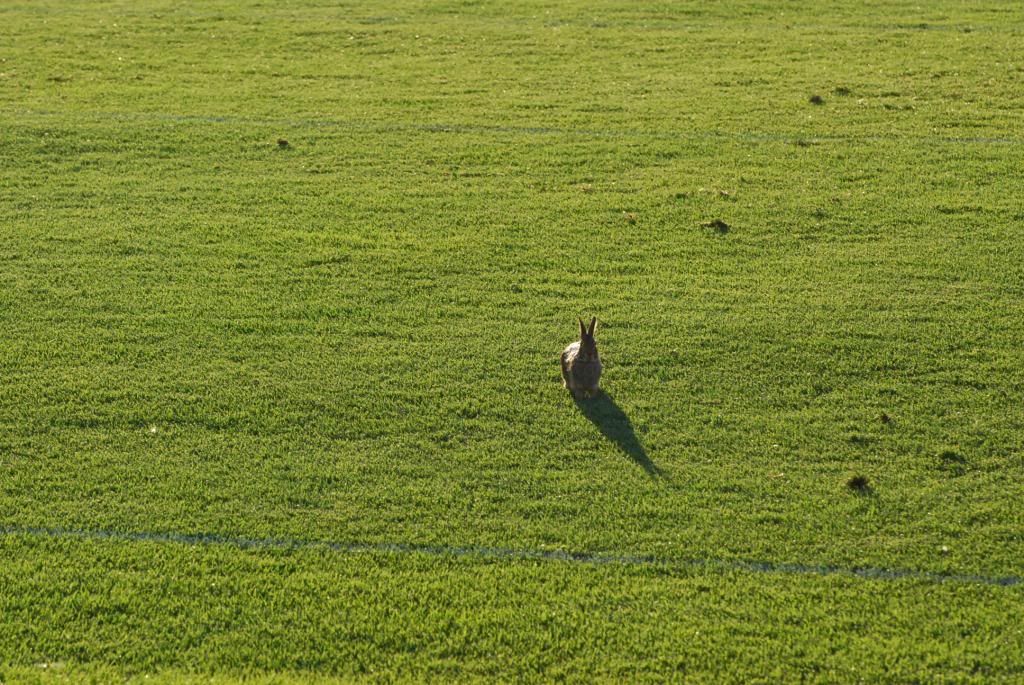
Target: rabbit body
x,y
581,364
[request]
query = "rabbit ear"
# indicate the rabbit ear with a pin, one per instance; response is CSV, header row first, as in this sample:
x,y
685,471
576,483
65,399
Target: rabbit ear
x,y
593,326
583,328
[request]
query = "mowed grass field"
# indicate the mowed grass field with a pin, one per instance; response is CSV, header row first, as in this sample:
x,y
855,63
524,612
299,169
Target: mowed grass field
x,y
283,288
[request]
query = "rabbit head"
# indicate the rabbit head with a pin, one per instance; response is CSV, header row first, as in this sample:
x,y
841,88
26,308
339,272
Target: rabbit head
x,y
588,346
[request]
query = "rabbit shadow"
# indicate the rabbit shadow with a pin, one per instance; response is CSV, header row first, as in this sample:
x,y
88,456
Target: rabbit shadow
x,y
603,412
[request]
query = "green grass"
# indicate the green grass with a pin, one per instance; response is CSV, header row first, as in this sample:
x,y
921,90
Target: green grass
x,y
354,339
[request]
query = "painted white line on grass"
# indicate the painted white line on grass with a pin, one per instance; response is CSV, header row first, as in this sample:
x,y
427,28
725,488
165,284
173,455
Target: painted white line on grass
x,y
868,573
452,128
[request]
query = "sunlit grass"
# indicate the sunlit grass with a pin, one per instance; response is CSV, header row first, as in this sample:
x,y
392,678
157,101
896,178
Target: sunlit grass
x,y
304,272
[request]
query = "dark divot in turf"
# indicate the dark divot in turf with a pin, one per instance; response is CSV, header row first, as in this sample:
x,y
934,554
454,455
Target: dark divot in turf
x,y
816,100
859,484
616,426
860,439
953,462
716,225
282,143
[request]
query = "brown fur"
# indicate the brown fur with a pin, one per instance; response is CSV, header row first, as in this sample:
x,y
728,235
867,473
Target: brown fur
x,y
581,364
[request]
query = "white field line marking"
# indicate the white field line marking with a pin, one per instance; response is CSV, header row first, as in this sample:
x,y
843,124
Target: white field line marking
x,y
869,573
393,127
639,23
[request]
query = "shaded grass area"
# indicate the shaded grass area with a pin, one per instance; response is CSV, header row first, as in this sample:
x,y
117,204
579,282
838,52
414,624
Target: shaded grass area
x,y
355,336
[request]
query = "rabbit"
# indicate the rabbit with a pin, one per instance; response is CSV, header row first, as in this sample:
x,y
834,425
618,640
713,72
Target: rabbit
x,y
581,365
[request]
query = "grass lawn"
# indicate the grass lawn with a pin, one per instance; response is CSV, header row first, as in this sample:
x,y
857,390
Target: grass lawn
x,y
283,288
